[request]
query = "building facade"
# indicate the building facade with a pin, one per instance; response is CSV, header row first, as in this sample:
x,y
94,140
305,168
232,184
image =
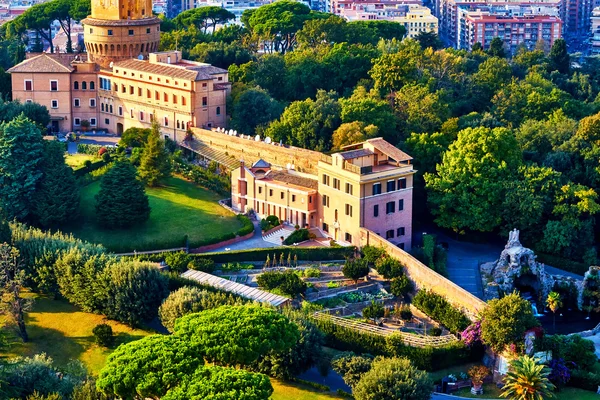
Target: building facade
x,y
595,35
368,185
123,82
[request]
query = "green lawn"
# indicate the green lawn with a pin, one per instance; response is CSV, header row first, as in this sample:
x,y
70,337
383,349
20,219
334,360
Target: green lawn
x,y
62,331
76,160
179,208
289,391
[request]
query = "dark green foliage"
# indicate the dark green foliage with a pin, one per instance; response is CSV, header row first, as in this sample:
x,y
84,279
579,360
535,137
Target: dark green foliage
x,y
188,300
287,282
247,225
389,267
351,367
103,334
303,254
401,286
5,233
237,335
438,308
559,57
269,223
429,40
201,264
155,165
303,355
96,149
497,48
505,321
148,367
88,391
133,291
584,380
56,199
203,177
406,313
298,236
372,253
355,269
577,352
373,311
121,201
254,108
178,261
220,54
21,152
35,112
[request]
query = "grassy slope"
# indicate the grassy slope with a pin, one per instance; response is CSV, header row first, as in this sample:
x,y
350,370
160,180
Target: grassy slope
x,y
179,208
62,331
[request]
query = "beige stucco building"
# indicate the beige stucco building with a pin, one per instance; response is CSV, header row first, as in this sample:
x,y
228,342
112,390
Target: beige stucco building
x,y
123,81
366,185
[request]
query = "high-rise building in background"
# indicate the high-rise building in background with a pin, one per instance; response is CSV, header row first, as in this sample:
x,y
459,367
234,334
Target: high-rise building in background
x,y
595,35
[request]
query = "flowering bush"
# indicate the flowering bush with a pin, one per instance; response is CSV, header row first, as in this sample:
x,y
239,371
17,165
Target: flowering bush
x,y
472,335
478,374
560,373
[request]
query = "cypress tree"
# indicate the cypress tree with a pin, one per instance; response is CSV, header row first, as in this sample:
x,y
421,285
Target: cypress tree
x,y
154,164
559,57
57,196
121,201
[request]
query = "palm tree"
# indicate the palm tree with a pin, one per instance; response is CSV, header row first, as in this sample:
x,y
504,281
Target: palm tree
x,y
554,302
527,380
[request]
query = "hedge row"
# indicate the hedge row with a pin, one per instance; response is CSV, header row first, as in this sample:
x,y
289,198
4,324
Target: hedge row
x,y
427,358
302,253
93,149
83,170
440,310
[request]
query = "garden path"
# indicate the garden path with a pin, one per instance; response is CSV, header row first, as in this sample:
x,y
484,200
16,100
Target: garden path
x,y
255,242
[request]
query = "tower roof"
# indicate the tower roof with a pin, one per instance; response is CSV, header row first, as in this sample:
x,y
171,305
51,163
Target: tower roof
x,y
261,164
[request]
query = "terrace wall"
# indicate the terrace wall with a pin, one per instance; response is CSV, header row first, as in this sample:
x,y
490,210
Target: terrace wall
x,y
424,277
251,151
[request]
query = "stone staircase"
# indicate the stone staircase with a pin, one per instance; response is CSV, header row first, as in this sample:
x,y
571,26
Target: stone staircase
x,y
275,236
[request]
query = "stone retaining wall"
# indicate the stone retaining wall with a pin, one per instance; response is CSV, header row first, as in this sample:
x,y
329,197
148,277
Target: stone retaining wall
x,y
426,278
251,151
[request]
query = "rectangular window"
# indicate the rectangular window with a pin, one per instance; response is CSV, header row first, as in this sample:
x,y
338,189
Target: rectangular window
x,y
166,121
120,110
102,107
402,183
389,234
259,190
77,121
400,231
92,102
28,85
141,115
183,102
348,210
110,34
204,84
204,101
282,195
293,198
93,121
54,86
376,210
348,237
325,227
391,186
325,200
270,192
401,245
111,109
400,204
174,99
165,97
376,188
131,89
131,32
349,188
390,207
147,30
106,121
156,96
123,90
140,92
76,102
54,103
131,113
336,183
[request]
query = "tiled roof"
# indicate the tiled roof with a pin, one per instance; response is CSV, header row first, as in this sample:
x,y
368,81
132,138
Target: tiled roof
x,y
389,149
40,64
348,155
283,176
234,287
191,71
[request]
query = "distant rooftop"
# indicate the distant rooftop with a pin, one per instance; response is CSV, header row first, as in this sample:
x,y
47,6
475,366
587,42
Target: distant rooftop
x,y
184,69
42,63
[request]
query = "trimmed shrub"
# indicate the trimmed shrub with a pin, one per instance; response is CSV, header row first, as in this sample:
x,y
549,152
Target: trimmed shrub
x,y
405,313
297,236
287,282
269,223
178,261
201,264
438,308
103,334
372,253
401,286
247,225
389,267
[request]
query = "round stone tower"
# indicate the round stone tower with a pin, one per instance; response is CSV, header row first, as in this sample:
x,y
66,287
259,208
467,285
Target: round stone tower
x,y
119,30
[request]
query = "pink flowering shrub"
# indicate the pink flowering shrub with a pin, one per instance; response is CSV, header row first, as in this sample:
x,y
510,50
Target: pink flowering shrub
x,y
472,335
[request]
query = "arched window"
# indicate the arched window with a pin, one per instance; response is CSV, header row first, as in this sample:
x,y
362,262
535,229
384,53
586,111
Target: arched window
x,y
76,85
218,110
92,85
83,85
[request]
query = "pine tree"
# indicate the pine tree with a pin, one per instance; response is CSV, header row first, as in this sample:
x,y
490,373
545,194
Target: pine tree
x,y
21,147
154,165
497,48
121,201
57,196
559,57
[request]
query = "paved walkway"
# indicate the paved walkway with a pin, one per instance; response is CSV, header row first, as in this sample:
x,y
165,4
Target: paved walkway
x,y
255,242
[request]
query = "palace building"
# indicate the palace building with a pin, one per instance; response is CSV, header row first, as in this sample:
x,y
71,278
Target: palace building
x,y
123,81
365,185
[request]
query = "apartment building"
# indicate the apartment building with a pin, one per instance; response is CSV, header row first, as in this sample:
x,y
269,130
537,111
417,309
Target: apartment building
x,y
338,7
414,17
368,185
123,82
595,36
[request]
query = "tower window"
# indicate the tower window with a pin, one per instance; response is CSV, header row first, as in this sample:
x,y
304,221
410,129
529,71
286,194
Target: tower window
x,y
91,30
84,85
131,32
110,32
75,85
147,30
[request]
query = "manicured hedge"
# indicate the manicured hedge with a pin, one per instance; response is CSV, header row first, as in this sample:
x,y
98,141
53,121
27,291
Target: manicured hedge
x,y
440,310
81,171
247,225
303,254
427,358
297,236
93,149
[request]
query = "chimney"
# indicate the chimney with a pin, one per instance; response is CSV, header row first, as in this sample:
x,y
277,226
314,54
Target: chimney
x,y
168,59
243,169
